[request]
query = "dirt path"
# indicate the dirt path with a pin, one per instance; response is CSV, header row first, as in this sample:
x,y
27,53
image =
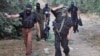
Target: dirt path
x,y
79,44
82,43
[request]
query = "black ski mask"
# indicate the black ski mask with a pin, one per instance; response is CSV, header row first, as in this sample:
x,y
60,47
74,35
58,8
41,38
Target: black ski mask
x,y
72,4
46,5
38,7
28,9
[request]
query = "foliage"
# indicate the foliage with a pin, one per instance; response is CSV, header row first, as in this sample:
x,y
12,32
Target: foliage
x,y
84,5
9,28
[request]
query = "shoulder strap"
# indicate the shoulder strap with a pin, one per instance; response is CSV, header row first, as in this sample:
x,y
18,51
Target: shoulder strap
x,y
62,24
24,14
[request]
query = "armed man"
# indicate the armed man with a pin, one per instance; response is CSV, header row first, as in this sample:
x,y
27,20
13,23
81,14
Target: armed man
x,y
41,19
63,28
74,15
46,11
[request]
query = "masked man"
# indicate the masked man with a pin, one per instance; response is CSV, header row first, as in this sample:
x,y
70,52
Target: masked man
x,y
29,18
74,15
41,19
63,28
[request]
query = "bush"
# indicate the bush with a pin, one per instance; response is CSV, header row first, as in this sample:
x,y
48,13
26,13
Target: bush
x,y
10,28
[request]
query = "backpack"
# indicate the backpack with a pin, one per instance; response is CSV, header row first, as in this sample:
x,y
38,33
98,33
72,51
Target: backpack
x,y
28,21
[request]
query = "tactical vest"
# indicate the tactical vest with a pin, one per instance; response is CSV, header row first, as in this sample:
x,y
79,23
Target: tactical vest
x,y
28,21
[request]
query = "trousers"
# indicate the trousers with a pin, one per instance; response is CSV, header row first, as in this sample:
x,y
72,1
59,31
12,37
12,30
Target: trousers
x,y
61,41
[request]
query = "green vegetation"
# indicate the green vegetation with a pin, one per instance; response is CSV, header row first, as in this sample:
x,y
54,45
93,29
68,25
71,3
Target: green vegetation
x,y
8,27
84,5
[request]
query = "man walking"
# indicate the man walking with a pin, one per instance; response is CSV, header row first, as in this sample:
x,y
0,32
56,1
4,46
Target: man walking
x,y
29,18
46,11
41,19
74,15
63,28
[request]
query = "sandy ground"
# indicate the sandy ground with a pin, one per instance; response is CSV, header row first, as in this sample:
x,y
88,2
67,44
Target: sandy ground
x,y
84,43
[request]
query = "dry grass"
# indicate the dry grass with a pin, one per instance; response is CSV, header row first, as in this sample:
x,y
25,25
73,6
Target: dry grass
x,y
12,48
16,47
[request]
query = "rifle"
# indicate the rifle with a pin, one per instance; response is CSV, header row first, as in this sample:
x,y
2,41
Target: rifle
x,y
56,27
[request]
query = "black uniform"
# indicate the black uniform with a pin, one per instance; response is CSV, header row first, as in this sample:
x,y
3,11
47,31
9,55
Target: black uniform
x,y
73,10
46,11
61,38
28,20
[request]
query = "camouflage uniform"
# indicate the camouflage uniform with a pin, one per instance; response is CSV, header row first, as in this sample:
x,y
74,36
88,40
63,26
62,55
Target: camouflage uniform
x,y
40,17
